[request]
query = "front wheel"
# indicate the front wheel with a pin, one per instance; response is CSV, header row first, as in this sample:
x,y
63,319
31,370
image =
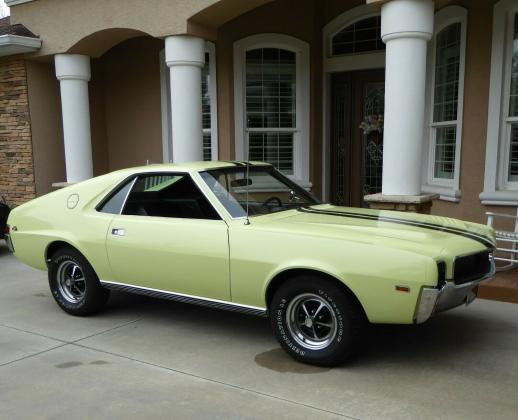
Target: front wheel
x,y
316,322
74,284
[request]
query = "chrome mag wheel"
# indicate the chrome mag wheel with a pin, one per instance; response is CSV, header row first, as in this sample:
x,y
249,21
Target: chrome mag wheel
x,y
311,321
71,281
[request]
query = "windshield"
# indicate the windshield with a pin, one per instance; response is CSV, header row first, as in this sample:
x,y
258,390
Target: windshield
x,y
268,190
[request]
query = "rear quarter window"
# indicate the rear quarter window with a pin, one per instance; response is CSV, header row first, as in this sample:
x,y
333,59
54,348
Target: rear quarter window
x,y
114,203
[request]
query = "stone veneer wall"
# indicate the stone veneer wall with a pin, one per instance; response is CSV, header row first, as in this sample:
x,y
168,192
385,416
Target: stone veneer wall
x,y
16,160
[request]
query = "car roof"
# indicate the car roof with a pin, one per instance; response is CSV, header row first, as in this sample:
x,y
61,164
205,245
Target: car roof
x,y
192,166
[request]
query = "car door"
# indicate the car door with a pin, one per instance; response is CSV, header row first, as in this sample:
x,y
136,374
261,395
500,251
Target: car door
x,y
169,237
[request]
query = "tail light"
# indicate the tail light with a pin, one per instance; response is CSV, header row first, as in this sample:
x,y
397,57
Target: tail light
x,y
7,230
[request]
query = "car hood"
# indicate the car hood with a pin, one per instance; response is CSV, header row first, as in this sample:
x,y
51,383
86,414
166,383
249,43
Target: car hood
x,y
423,234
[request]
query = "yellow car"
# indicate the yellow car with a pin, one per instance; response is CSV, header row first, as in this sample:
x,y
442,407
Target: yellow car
x,y
243,237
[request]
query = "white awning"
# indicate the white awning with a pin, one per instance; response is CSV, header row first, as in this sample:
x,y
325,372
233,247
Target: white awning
x,y
16,44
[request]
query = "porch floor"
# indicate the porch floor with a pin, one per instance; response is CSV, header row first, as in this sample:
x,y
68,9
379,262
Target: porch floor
x,y
503,287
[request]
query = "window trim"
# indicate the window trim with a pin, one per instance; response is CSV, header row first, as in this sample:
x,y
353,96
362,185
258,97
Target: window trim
x,y
497,190
340,24
165,105
169,173
165,108
505,119
448,189
301,131
210,48
281,175
128,180
132,179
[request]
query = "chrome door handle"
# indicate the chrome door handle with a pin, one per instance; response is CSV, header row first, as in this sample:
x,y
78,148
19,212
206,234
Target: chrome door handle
x,y
118,232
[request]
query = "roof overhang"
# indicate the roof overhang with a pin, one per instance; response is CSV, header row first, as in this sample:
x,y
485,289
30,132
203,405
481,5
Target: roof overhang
x,y
15,2
16,44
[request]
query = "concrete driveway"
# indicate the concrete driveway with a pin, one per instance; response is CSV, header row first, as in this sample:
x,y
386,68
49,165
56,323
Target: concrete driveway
x,y
145,358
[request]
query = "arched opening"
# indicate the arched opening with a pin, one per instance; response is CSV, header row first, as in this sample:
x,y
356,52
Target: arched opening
x,y
98,43
125,104
223,11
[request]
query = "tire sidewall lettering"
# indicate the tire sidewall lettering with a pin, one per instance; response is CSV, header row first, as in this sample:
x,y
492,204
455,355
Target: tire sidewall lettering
x,y
285,335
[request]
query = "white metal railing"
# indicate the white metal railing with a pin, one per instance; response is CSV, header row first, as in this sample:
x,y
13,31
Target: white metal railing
x,y
507,241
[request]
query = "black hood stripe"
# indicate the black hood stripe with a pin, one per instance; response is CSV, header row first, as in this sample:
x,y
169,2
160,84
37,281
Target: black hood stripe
x,y
456,231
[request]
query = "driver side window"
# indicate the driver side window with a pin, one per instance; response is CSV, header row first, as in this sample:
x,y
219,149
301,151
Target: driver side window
x,y
168,195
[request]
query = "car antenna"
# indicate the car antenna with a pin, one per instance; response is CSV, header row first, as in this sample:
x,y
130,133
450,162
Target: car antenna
x,y
247,220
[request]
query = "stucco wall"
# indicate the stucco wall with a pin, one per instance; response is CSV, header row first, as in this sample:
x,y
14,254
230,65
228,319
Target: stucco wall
x,y
131,88
46,122
63,23
98,119
125,95
124,112
304,20
47,129
301,19
474,126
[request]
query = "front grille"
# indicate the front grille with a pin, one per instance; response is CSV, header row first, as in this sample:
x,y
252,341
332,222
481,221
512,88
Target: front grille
x,y
471,267
441,270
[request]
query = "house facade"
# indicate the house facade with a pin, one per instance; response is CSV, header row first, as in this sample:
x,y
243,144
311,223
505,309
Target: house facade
x,y
412,101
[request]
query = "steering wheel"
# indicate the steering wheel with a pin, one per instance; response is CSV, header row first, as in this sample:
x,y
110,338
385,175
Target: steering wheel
x,y
272,201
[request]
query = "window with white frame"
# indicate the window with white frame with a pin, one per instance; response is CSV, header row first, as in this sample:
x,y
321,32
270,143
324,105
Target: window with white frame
x,y
208,103
512,118
501,169
446,100
446,85
270,98
205,109
358,37
271,94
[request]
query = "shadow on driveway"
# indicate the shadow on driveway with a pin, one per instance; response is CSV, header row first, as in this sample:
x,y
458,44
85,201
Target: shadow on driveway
x,y
447,337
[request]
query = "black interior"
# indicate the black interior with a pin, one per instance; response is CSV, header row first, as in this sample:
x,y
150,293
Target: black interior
x,y
182,199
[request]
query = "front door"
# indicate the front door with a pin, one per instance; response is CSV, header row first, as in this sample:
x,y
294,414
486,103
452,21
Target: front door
x,y
356,135
169,238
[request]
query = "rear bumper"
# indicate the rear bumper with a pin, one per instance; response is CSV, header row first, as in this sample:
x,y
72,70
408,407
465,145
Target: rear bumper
x,y
451,295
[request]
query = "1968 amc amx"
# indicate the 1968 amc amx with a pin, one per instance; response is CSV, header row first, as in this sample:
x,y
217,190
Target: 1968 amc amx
x,y
243,237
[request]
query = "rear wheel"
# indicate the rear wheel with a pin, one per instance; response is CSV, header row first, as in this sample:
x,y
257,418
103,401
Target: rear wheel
x,y
74,284
315,321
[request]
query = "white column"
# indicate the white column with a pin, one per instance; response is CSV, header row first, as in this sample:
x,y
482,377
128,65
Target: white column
x,y
185,56
73,73
406,28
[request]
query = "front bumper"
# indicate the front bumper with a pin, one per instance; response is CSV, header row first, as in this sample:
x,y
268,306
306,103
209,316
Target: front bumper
x,y
451,295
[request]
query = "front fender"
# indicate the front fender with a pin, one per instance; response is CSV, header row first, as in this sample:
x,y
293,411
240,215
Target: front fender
x,y
377,293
